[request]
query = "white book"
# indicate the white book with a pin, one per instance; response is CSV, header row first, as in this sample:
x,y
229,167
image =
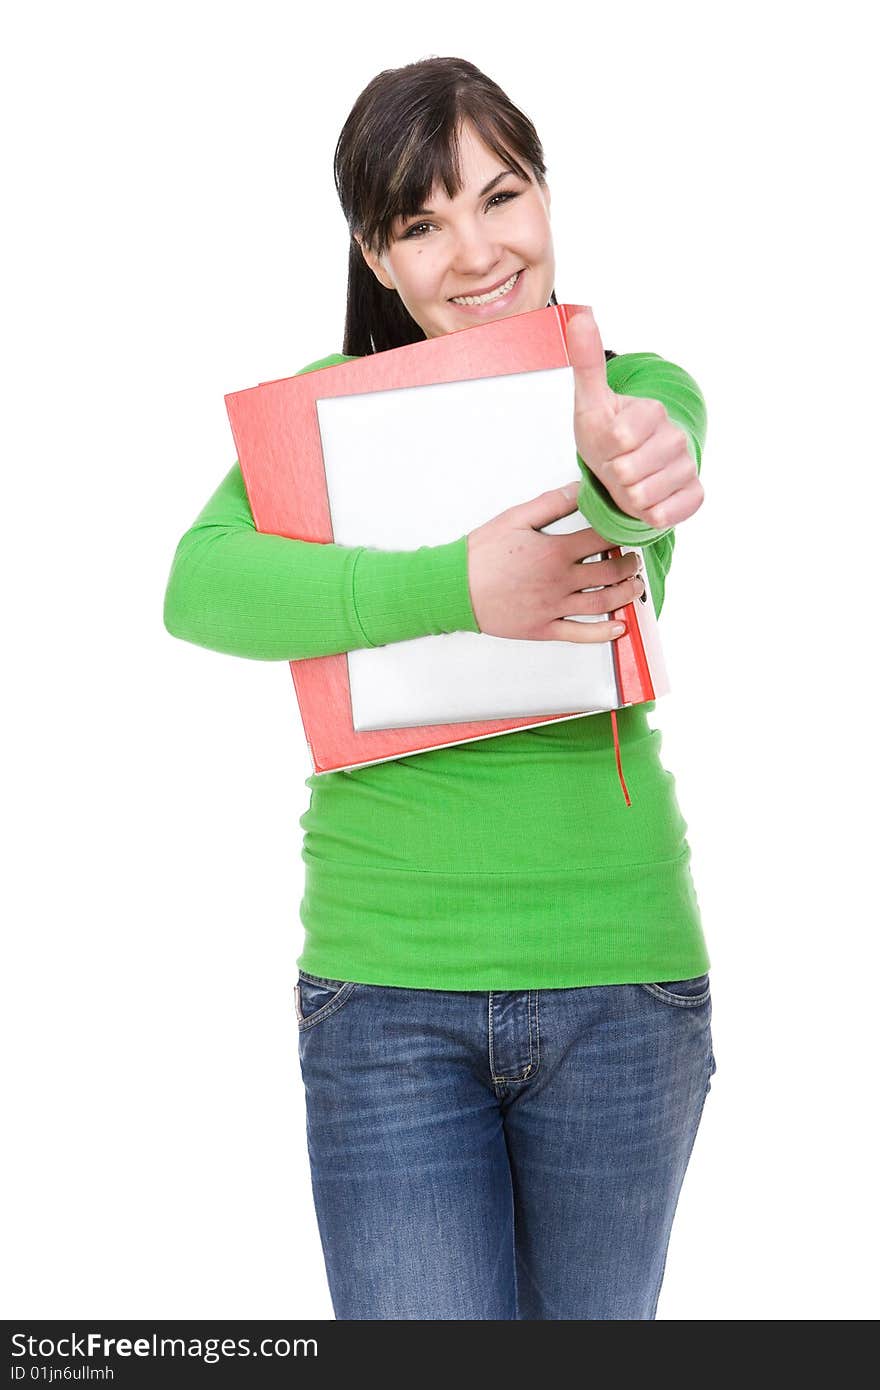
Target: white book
x,y
420,465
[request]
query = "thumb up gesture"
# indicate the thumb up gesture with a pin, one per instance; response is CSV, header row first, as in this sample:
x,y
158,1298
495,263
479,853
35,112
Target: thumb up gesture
x,y
629,444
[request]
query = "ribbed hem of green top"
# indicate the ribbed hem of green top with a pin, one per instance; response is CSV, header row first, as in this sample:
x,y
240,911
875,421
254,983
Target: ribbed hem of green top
x,y
402,594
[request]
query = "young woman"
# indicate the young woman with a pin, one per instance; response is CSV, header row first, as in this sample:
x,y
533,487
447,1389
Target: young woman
x,y
503,1002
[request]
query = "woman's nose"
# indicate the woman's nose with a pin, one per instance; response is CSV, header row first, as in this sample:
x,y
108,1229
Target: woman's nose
x,y
476,270
474,251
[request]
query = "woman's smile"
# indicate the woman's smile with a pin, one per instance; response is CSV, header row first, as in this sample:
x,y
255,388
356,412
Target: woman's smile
x,y
482,305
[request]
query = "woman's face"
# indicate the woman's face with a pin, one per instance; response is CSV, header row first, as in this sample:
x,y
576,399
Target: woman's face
x,y
471,243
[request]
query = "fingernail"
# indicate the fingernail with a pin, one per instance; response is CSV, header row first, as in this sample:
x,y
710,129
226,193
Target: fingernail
x,y
619,629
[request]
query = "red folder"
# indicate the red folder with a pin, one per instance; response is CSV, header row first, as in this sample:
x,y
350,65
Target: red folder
x,y
277,437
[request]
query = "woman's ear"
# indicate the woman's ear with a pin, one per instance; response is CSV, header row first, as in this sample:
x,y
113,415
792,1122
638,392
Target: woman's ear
x,y
375,264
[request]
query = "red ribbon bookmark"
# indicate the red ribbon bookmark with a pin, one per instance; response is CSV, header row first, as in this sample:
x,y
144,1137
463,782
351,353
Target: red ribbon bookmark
x,y
617,756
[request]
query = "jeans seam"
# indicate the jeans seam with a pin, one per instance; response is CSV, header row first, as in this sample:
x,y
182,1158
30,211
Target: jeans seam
x,y
534,1046
675,1208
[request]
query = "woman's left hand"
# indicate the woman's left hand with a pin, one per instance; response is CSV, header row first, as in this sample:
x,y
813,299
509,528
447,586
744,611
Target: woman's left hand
x,y
629,443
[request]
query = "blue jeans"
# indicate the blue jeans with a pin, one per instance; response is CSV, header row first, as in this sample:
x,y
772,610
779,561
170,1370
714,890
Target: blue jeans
x,y
500,1155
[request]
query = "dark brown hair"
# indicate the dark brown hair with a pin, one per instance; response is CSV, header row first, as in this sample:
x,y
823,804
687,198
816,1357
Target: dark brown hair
x,y
400,140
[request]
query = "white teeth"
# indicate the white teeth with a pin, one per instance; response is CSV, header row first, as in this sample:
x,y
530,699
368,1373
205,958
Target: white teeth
x,y
487,298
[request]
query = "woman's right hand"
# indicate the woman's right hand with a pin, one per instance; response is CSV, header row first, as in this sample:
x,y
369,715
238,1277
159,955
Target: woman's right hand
x,y
524,583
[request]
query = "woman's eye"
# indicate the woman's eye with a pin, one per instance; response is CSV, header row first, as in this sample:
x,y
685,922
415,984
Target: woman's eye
x,y
416,231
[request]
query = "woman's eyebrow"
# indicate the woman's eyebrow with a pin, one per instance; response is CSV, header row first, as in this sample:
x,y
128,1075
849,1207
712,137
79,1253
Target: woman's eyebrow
x,y
429,212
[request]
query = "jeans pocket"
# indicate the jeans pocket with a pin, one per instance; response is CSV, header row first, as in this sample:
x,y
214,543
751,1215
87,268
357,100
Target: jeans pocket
x,y
316,997
682,994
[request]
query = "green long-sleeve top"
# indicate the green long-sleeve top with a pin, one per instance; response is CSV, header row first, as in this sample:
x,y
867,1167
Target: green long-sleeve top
x,y
510,862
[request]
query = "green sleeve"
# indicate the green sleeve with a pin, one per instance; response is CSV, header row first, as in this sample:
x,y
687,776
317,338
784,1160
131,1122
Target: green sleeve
x,y
647,375
249,593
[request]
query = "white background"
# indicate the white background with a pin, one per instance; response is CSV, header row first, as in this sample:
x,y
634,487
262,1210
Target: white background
x,y
172,234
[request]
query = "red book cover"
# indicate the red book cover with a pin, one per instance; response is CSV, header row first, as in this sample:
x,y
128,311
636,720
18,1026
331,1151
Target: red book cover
x,y
277,436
